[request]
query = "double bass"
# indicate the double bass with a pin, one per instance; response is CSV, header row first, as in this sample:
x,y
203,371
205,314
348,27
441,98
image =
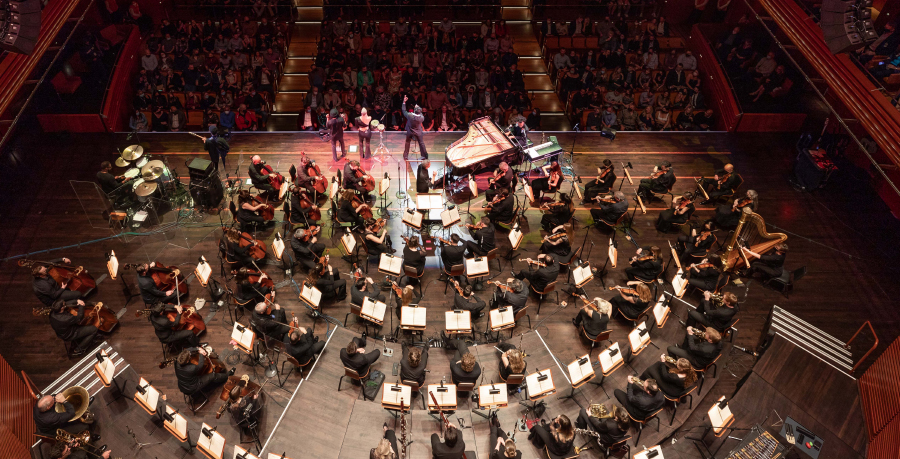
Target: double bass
x,y
165,277
77,277
95,314
190,320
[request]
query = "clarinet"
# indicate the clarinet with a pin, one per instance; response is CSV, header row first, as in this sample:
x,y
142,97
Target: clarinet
x,y
403,429
587,432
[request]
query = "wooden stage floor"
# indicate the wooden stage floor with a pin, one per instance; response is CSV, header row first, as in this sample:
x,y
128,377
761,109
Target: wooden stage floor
x,y
843,234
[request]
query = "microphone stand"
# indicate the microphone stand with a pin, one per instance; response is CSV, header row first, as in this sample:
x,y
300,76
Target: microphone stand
x,y
401,193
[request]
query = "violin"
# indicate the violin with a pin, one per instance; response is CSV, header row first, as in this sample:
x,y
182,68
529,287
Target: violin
x,y
95,314
379,225
501,286
444,240
165,277
310,233
497,174
190,320
703,236
743,203
625,290
396,288
589,303
323,261
257,248
703,266
609,200
495,201
368,180
606,170
365,212
683,203
552,205
644,258
457,287
319,182
556,236
275,179
657,174
421,249
76,276
533,262
555,176
723,179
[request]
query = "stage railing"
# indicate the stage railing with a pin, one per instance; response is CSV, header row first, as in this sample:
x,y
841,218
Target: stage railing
x,y
874,345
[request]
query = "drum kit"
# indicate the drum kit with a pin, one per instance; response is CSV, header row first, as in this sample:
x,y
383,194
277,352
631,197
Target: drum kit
x,y
147,176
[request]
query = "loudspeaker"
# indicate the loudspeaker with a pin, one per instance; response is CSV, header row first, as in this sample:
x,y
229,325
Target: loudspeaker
x,y
837,6
25,6
200,169
16,43
27,20
207,192
837,18
844,43
838,30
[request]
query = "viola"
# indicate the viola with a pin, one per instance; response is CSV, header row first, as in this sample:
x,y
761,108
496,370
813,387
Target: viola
x,y
458,288
493,180
368,180
190,320
657,174
723,179
365,212
165,277
501,286
309,234
211,364
703,236
78,279
95,314
743,203
684,203
625,290
275,181
253,276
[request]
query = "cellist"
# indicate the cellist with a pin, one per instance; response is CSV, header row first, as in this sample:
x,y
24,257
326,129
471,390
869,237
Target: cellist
x,y
352,182
166,329
149,292
47,289
302,208
248,290
233,250
247,214
68,327
260,175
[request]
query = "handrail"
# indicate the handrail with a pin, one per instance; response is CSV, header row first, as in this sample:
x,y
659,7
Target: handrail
x,y
863,359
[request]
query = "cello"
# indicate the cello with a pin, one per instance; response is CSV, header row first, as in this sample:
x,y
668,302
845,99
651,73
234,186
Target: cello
x,y
190,320
267,212
366,211
319,182
275,179
367,181
211,364
77,277
253,276
315,214
95,314
257,250
165,277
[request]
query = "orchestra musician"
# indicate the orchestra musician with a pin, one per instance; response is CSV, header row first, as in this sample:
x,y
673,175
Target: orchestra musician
x,y
464,367
544,275
248,209
414,120
234,251
678,212
593,317
377,244
640,400
484,234
259,178
301,213
328,280
413,363
505,180
149,293
348,212
108,182
273,324
302,345
559,212
47,420
716,317
602,184
47,289
557,242
729,215
365,287
190,376
697,243
558,437
467,301
243,407
402,298
504,447
699,351
515,298
511,362
414,257
63,450
354,356
452,254
770,264
660,181
520,134
704,275
387,446
453,446
504,209
306,251
550,183
632,302
335,127
721,184
423,180
364,132
351,182
646,265
254,292
165,329
68,327
612,430
303,177
610,209
672,381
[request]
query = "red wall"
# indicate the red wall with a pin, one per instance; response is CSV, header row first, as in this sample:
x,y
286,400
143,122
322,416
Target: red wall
x,y
119,95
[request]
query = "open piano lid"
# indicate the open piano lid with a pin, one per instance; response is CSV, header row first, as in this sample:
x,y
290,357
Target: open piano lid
x,y
483,141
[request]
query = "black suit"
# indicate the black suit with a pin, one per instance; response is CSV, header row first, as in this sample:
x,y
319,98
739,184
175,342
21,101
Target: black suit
x,y
638,402
541,278
770,264
457,374
165,330
504,182
271,325
332,286
423,182
711,185
357,297
190,379
414,130
593,323
259,179
503,211
335,127
305,348
644,269
48,290
439,450
661,184
303,252
68,328
717,318
414,259
452,255
46,422
472,304
485,240
407,372
152,295
698,351
608,428
359,361
610,212
594,189
515,299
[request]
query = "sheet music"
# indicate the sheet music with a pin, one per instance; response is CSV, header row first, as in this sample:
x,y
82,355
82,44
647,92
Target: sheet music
x,y
529,193
450,217
477,266
277,456
373,309
582,274
610,362
579,372
679,285
661,312
245,338
461,320
393,397
536,387
112,265
312,295
719,418
637,341
445,398
278,247
612,253
515,237
383,185
238,450
178,426
391,264
473,187
643,454
105,369
412,316
429,201
502,319
214,445
348,243
150,398
203,271
413,218
486,398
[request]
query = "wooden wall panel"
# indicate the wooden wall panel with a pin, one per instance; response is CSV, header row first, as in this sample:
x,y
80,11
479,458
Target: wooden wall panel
x,y
16,423
880,392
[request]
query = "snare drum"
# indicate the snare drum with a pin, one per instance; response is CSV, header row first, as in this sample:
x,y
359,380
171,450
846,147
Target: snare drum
x,y
141,162
132,173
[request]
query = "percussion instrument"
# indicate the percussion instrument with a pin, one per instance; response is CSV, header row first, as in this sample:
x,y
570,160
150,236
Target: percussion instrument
x,y
131,173
121,162
132,152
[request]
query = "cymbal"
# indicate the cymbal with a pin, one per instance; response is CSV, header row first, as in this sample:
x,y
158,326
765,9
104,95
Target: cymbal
x,y
380,127
153,170
375,123
145,189
132,152
122,163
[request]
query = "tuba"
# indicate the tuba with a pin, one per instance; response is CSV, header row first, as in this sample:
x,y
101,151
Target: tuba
x,y
80,399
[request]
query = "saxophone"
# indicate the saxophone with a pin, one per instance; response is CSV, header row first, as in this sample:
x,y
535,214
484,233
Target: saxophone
x,y
587,432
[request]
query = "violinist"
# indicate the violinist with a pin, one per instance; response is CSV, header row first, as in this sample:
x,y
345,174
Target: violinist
x,y
704,275
557,243
166,329
721,184
729,215
716,317
423,180
260,176
452,254
602,184
414,255
303,209
467,301
328,280
363,130
350,207
412,365
770,264
234,251
108,182
274,324
354,356
610,209
544,275
697,243
504,179
484,235
254,292
68,327
302,345
191,379
47,289
352,182
149,292
248,209
502,207
550,183
646,265
678,213
662,179
632,302
307,250
377,239
517,297
402,297
363,288
559,212
700,351
593,317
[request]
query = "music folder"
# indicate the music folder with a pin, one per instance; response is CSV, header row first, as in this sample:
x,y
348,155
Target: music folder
x,y
310,295
445,395
581,370
502,318
679,285
515,237
610,359
112,265
637,340
105,369
412,317
348,243
241,453
429,201
278,247
149,398
540,384
390,264
204,270
450,217
493,395
477,267
412,218
661,311
458,321
213,446
582,274
373,310
720,418
243,337
383,185
393,393
178,426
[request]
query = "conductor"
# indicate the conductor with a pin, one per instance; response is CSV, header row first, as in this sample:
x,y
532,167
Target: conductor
x,y
414,129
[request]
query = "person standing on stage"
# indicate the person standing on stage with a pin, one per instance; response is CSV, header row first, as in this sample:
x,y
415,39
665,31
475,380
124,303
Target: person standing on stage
x,y
364,132
414,122
217,147
423,181
335,126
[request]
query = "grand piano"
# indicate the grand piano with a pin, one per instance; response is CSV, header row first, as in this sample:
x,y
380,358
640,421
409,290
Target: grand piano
x,y
482,149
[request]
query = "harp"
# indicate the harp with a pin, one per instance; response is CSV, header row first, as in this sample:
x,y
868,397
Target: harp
x,y
750,233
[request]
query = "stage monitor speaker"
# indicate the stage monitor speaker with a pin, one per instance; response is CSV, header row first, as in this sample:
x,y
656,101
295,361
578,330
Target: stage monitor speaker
x,y
31,20
844,43
829,19
16,43
838,6
25,6
207,192
200,168
838,30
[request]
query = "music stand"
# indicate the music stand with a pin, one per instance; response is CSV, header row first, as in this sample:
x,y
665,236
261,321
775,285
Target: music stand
x,y
515,239
537,386
654,452
203,271
176,424
383,186
412,219
394,396
639,338
477,269
412,319
112,266
610,360
210,442
491,396
146,396
501,319
106,371
311,297
580,372
349,247
458,322
373,311
450,217
390,265
661,311
241,453
582,275
243,337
